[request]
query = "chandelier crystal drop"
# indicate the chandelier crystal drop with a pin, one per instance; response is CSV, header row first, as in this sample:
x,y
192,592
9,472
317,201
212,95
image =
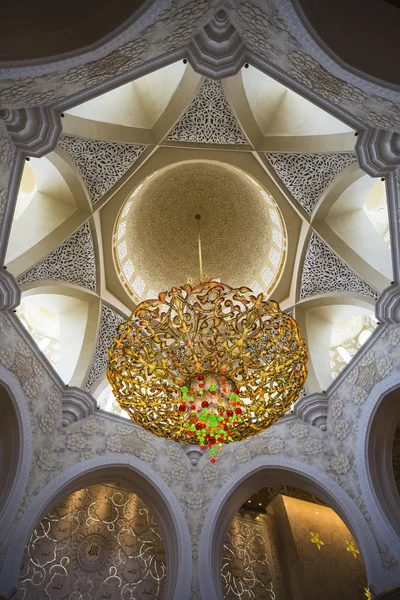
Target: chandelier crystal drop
x,y
207,364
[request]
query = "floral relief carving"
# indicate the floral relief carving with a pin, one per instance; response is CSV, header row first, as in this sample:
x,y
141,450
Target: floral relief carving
x,y
109,322
96,436
324,272
209,119
72,261
341,464
307,176
101,164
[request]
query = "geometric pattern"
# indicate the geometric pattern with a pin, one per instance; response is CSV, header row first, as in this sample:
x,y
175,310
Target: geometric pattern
x,y
307,176
208,119
72,261
101,164
325,272
109,322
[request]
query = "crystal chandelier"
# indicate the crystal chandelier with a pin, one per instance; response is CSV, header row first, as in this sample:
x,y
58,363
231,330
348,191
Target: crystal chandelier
x,y
207,364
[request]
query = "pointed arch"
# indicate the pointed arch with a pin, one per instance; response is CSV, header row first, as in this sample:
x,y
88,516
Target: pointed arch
x,y
136,476
267,470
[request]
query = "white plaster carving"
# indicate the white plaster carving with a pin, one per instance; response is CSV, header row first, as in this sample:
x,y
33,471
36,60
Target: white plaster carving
x,y
109,322
217,49
209,119
325,272
34,131
101,164
73,261
378,151
307,176
10,294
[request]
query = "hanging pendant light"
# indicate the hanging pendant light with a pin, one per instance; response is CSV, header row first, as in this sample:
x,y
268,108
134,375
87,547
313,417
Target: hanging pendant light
x,y
207,364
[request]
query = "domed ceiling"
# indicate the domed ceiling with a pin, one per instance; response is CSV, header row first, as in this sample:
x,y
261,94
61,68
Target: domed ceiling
x,y
240,225
36,30
108,218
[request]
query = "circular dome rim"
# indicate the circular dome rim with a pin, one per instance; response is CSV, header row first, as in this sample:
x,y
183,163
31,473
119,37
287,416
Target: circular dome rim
x,y
261,286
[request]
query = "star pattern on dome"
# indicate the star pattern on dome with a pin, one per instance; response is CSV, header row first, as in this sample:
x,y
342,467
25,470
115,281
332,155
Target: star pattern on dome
x,y
216,120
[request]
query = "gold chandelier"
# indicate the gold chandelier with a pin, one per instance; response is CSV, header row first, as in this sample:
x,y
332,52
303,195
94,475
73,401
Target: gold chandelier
x,y
207,364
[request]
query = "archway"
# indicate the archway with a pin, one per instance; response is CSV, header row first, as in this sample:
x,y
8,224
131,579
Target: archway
x,y
256,474
102,541
135,476
15,448
287,543
376,431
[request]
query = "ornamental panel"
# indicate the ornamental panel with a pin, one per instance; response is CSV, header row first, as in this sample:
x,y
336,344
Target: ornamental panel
x,y
109,322
101,164
100,542
324,272
209,119
72,261
250,565
307,176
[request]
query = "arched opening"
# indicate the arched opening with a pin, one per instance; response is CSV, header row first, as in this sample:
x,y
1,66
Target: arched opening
x,y
125,475
287,543
39,32
335,327
382,452
10,444
357,225
137,104
263,472
51,204
363,41
62,320
101,540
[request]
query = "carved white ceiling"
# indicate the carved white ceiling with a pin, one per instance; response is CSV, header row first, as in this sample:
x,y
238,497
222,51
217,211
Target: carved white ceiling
x,y
72,262
109,321
101,164
215,120
325,272
208,119
307,176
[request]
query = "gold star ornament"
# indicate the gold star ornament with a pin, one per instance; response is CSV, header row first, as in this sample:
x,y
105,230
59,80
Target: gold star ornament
x,y
352,548
315,539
